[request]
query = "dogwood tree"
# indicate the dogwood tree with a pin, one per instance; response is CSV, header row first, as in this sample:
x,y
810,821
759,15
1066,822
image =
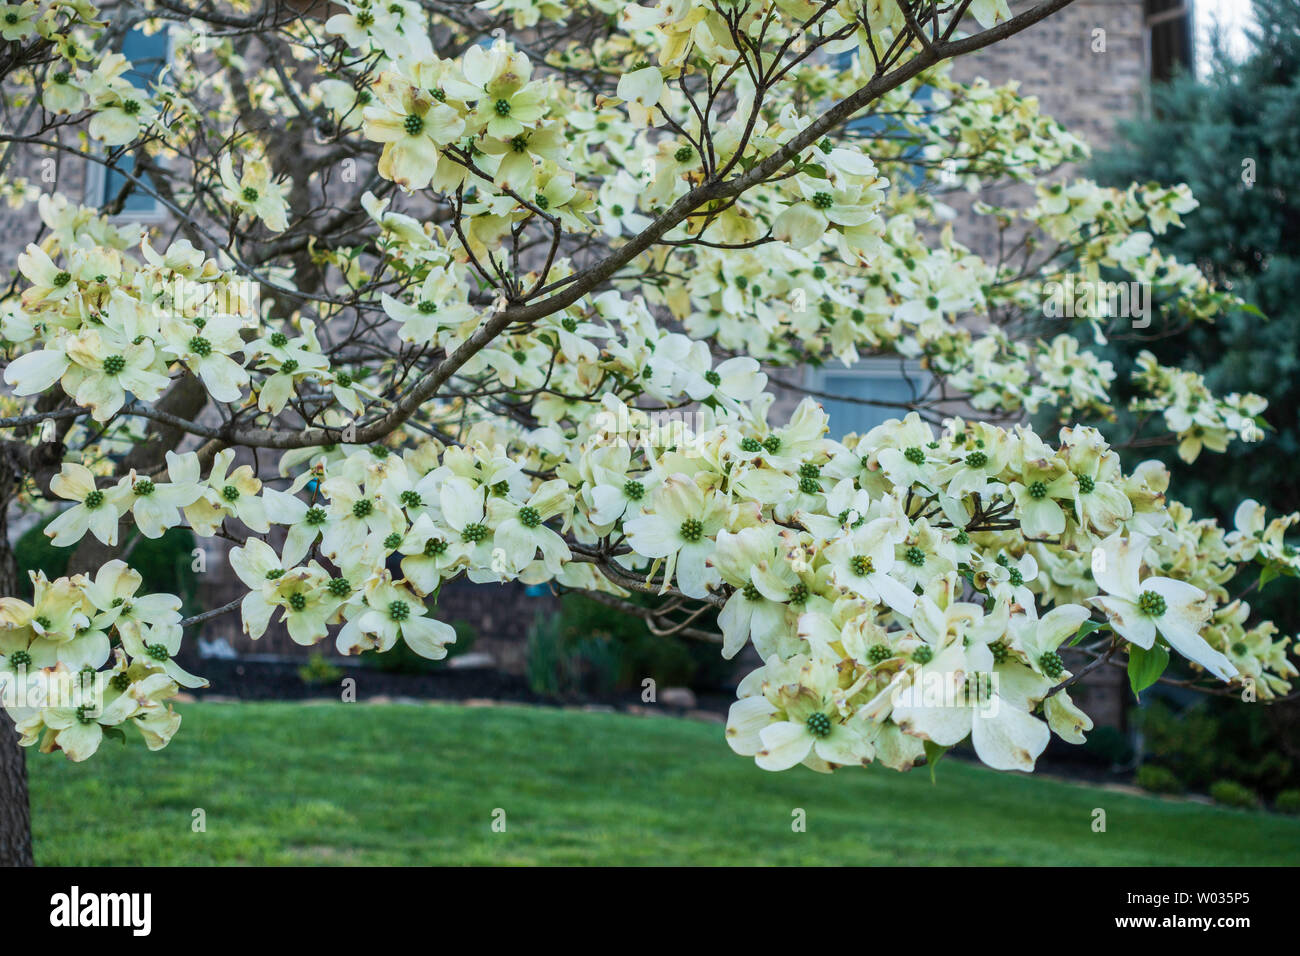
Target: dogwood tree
x,y
504,289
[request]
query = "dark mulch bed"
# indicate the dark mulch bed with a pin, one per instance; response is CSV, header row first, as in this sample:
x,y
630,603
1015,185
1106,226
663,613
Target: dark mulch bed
x,y
279,680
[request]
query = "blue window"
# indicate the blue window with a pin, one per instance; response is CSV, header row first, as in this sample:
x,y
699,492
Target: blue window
x,y
876,125
148,55
881,380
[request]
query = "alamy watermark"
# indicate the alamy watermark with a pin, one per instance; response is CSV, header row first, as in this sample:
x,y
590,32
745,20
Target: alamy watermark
x,y
1074,298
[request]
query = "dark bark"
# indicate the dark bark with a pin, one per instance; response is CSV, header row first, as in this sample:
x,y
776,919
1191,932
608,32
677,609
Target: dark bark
x,y
19,462
15,812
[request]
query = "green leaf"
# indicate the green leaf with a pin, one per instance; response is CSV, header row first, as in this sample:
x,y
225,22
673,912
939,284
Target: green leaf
x,y
1268,574
1145,667
1088,628
115,733
933,754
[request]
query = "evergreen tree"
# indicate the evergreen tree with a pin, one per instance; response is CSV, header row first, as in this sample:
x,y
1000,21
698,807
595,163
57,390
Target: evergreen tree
x,y
1234,137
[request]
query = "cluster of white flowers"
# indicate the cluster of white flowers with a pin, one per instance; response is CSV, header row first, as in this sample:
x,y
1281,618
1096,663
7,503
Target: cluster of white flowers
x,y
445,403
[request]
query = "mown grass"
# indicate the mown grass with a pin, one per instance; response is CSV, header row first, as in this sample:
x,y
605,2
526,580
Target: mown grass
x,y
341,783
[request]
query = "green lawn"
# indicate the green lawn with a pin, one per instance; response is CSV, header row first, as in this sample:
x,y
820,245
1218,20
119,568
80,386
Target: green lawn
x,y
352,783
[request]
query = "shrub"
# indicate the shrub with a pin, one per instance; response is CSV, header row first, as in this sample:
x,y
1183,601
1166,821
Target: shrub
x,y
561,666
1232,794
1288,801
319,670
1214,740
1158,779
613,648
1109,744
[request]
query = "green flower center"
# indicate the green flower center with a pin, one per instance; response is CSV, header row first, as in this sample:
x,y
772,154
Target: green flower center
x,y
750,445
772,443
819,725
434,547
94,499
414,125
343,379
130,107
932,302
692,530
120,682
83,714
1152,604
62,279
1052,664
1015,577
962,537
339,587
1000,651
751,593
316,516
634,490
979,686
230,493
529,517
977,459
713,378
365,18
915,556
289,366
879,653
44,622
427,308
200,346
362,508
158,652
411,499
542,203
143,488
474,533
501,107
683,154
823,200
569,324
1086,484
298,601
250,194
862,565
1038,490
798,594
399,611
275,574
20,659
279,340
114,364
392,541
915,455
923,654
1238,649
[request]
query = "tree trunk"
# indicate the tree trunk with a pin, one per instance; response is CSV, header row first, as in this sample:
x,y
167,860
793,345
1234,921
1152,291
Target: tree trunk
x,y
15,811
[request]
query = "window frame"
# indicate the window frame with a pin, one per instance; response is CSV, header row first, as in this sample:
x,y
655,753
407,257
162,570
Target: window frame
x,y
97,172
874,368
